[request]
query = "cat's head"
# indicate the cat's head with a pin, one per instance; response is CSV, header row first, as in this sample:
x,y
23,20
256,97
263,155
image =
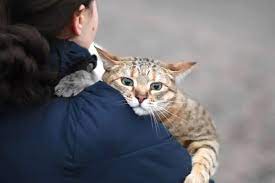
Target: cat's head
x,y
148,85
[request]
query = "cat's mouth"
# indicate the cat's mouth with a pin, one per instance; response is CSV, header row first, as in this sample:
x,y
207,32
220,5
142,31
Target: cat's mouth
x,y
139,108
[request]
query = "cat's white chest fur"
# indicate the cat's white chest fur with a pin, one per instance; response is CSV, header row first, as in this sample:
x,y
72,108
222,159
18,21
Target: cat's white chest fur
x,y
99,70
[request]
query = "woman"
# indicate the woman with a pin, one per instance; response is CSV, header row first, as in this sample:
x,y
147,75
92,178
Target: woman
x,y
87,138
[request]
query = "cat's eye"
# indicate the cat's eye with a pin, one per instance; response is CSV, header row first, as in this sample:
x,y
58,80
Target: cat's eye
x,y
127,81
156,86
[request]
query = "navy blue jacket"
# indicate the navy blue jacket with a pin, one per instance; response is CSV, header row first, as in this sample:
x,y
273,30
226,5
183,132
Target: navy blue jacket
x,y
93,137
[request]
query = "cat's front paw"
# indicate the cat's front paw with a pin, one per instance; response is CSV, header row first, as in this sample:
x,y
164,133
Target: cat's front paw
x,y
73,84
195,178
66,89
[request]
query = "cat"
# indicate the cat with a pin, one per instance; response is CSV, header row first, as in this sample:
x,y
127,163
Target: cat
x,y
150,88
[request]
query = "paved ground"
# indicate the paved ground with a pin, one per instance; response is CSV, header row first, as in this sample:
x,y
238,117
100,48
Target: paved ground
x,y
234,43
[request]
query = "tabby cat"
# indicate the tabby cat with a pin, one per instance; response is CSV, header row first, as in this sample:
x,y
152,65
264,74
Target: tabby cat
x,y
150,88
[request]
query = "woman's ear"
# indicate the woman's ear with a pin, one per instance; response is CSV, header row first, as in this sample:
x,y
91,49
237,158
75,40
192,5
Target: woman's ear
x,y
78,20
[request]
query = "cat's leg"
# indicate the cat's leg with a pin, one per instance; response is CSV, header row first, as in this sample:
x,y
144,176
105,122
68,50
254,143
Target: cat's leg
x,y
74,83
204,160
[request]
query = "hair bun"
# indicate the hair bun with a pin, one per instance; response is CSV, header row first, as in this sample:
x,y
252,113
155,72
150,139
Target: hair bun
x,y
23,57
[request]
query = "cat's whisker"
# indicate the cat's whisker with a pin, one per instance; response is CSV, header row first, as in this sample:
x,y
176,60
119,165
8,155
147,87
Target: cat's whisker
x,y
151,120
158,109
158,114
155,121
169,113
162,114
165,111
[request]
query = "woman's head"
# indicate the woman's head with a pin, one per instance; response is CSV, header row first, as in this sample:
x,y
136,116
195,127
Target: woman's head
x,y
24,25
83,26
67,19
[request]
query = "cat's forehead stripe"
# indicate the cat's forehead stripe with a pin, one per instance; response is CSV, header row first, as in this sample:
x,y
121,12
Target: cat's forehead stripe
x,y
151,69
145,62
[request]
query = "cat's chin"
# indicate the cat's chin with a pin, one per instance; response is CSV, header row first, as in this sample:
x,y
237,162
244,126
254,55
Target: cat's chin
x,y
140,111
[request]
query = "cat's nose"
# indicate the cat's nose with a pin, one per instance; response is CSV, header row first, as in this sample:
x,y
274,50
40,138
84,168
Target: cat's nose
x,y
141,98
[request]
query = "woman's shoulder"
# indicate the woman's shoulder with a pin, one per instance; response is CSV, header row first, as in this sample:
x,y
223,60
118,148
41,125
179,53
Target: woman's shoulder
x,y
97,103
99,92
110,135
105,121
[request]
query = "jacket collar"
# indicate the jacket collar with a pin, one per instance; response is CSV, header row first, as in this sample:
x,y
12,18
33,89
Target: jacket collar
x,y
67,57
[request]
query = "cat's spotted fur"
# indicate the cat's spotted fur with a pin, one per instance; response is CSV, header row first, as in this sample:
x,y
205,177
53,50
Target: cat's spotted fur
x,y
149,87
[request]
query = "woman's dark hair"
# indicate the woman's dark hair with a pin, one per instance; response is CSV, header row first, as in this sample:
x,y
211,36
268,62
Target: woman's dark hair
x,y
24,28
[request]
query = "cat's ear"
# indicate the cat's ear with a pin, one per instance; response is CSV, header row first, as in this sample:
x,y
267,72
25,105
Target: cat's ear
x,y
180,70
108,59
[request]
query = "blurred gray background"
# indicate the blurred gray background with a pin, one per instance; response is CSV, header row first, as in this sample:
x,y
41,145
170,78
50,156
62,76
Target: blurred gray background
x,y
233,42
